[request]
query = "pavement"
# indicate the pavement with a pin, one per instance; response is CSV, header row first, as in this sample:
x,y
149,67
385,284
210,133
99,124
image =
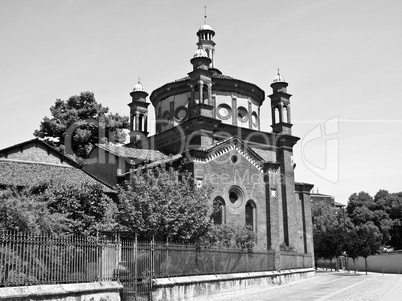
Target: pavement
x,y
329,286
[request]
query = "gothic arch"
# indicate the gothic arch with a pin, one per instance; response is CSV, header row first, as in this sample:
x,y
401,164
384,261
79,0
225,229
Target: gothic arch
x,y
218,216
251,215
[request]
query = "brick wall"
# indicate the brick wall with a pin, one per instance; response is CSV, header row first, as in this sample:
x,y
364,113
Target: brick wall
x,y
223,175
32,152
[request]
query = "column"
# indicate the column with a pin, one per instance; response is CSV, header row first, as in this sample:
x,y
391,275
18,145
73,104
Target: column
x,y
210,94
137,121
201,83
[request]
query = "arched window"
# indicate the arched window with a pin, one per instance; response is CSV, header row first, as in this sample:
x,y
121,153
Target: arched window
x,y
141,122
250,214
277,118
285,114
218,215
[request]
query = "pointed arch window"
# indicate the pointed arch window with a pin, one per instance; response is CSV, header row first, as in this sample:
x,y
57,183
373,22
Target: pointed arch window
x,y
250,215
218,215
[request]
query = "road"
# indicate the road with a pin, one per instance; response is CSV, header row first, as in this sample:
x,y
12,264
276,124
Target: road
x,y
328,286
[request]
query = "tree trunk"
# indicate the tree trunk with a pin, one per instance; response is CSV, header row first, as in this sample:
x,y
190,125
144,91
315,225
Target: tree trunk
x,y
337,264
354,264
365,263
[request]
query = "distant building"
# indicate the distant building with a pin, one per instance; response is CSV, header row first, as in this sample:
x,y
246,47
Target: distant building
x,y
328,199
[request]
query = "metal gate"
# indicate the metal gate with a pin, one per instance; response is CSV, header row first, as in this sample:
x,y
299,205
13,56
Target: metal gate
x,y
136,269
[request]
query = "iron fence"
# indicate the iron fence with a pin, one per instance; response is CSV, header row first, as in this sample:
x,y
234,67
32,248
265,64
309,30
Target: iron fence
x,y
180,260
29,259
39,259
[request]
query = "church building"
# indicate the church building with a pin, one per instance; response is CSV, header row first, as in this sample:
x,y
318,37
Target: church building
x,y
212,123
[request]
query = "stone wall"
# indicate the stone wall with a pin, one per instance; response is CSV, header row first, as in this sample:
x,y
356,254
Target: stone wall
x,y
387,263
97,291
206,287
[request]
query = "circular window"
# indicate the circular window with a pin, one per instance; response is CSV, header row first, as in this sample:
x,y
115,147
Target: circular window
x,y
224,111
180,113
233,159
165,118
242,114
235,196
254,119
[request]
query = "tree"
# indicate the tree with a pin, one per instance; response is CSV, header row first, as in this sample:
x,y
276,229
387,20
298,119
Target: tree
x,y
362,240
86,206
22,211
165,203
230,236
369,240
328,234
81,122
325,216
57,208
391,203
362,208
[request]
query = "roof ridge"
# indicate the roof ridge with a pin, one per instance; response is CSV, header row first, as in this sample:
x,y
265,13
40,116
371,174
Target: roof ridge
x,y
36,162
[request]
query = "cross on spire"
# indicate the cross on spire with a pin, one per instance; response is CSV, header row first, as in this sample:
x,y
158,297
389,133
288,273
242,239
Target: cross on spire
x,y
205,14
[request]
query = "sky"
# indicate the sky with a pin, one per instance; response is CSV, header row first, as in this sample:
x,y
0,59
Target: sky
x,y
342,60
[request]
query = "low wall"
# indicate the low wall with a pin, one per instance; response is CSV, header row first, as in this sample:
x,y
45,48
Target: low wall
x,y
97,291
389,263
205,287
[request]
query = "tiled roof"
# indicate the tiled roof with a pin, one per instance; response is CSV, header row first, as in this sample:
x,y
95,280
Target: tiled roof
x,y
181,79
214,75
20,173
320,195
206,148
169,159
266,155
128,152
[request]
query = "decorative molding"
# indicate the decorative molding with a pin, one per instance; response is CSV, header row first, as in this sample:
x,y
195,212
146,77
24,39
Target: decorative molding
x,y
214,155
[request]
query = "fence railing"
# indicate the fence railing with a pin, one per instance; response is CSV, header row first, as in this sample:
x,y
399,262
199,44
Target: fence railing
x,y
27,259
38,259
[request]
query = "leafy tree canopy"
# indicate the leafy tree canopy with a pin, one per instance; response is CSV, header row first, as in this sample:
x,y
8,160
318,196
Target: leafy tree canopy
x,y
81,122
384,211
22,211
325,217
57,208
230,236
391,204
86,206
165,203
328,230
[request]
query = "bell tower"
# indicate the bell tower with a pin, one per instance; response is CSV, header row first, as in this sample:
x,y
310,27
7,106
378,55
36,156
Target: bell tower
x,y
138,113
205,35
280,106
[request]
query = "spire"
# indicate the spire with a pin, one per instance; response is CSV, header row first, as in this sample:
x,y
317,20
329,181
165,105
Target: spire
x,y
278,78
138,87
205,35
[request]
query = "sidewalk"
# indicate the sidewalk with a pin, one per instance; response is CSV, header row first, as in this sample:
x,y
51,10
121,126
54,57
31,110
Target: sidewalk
x,y
329,286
